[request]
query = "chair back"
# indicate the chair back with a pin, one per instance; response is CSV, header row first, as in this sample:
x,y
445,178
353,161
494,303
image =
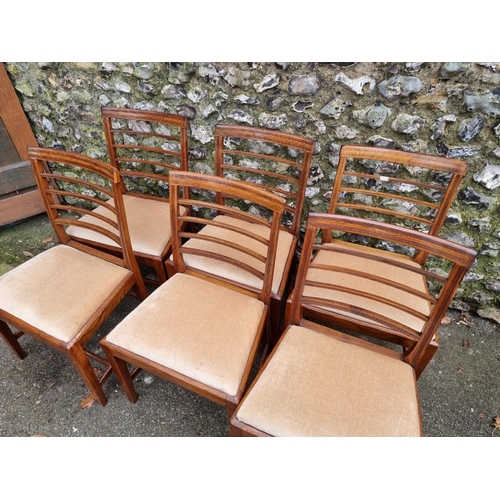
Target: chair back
x,y
73,186
324,289
145,146
229,242
397,187
276,161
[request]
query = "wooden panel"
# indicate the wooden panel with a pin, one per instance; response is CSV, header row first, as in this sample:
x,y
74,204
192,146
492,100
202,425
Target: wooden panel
x,y
20,206
16,201
16,177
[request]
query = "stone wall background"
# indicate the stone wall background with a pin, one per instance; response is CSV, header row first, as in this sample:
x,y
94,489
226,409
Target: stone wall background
x,y
452,109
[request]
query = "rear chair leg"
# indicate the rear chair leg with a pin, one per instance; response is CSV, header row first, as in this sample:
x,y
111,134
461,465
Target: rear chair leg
x,y
11,340
160,272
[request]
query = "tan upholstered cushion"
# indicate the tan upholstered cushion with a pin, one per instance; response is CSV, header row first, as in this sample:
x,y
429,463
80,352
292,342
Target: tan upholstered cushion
x,y
319,386
196,328
381,269
228,271
58,290
148,221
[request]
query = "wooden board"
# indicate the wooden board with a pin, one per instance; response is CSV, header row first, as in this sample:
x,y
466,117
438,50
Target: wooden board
x,y
19,197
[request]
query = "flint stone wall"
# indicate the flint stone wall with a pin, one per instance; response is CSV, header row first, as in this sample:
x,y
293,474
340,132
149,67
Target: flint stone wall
x,y
450,108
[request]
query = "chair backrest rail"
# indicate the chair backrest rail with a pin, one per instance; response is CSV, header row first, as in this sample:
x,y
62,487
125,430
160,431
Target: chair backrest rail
x,y
398,180
404,157
224,242
237,213
377,279
401,329
141,132
391,196
146,148
236,229
368,208
269,158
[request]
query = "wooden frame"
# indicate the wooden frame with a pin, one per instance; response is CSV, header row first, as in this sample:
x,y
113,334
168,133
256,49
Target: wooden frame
x,y
19,196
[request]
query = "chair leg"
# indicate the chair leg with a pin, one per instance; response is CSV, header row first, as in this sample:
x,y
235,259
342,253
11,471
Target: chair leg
x,y
80,361
276,315
234,431
122,374
169,266
230,408
428,355
160,271
11,340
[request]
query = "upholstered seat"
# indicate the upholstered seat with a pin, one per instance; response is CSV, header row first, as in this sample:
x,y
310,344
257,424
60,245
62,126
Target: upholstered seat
x,y
352,285
234,273
65,306
208,342
148,222
316,385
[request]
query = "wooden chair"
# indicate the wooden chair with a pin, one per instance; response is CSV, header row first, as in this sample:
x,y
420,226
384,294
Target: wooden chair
x,y
397,187
319,381
198,329
145,146
279,163
63,295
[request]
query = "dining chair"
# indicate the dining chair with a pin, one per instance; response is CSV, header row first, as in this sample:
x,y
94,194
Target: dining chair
x,y
144,146
64,294
322,381
198,329
398,187
279,163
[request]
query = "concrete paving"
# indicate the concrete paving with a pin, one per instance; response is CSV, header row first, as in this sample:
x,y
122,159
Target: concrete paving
x,y
41,395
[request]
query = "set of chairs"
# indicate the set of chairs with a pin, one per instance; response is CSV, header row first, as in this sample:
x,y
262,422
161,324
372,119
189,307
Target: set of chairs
x,y
351,325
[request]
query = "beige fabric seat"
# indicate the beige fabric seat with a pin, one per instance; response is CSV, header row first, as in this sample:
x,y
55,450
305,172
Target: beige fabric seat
x,y
367,285
166,329
231,272
148,222
316,385
65,306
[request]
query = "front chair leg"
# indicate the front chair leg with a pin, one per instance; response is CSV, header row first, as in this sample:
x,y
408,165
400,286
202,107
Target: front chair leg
x,y
80,361
121,370
11,340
